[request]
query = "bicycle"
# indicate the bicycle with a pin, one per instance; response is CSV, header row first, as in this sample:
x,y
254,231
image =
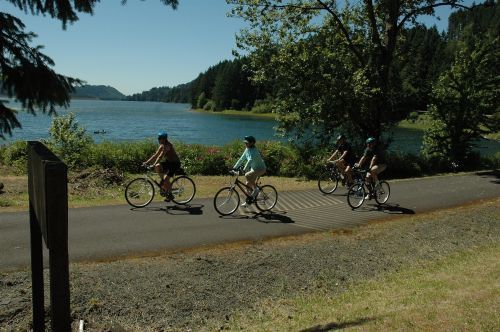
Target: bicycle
x,y
140,191
227,199
328,181
356,194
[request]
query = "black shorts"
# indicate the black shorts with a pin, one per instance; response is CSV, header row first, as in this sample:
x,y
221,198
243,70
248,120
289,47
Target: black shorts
x,y
170,167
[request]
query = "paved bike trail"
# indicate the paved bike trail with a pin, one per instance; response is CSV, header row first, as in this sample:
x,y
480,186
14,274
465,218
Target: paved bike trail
x,y
111,232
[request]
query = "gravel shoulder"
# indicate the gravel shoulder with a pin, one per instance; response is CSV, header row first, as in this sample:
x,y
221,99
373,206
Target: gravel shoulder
x,y
183,291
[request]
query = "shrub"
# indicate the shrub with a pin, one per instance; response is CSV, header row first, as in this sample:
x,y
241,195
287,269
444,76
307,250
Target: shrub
x,y
69,141
15,155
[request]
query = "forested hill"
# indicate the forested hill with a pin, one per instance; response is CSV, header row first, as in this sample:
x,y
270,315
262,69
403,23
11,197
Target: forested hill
x,y
227,85
102,92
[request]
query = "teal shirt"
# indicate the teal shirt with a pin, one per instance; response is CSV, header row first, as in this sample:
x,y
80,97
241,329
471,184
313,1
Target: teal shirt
x,y
253,158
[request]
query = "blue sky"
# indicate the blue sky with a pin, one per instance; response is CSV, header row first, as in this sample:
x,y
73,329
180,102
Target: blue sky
x,y
144,44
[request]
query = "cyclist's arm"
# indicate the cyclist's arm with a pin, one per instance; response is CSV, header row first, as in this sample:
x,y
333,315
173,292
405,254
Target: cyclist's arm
x,y
333,155
160,153
344,154
373,162
241,160
156,155
361,161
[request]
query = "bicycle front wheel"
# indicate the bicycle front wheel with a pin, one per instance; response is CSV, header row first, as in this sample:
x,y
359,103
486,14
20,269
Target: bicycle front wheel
x,y
183,190
267,198
328,182
382,192
139,192
226,201
356,195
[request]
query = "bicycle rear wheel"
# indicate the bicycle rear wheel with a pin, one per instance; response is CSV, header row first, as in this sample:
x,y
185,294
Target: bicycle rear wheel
x,y
267,198
328,182
226,201
183,190
356,195
139,192
382,192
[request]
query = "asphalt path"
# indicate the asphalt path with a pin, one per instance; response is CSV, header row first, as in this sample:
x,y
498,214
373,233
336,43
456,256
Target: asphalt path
x,y
113,232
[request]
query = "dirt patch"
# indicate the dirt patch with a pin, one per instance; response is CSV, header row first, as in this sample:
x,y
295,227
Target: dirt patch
x,y
182,291
95,178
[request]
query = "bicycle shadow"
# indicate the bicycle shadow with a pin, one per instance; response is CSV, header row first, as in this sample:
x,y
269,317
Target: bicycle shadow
x,y
177,210
385,208
268,217
494,175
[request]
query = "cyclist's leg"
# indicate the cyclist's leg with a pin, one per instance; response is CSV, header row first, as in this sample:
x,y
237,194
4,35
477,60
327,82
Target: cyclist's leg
x,y
252,176
348,173
376,170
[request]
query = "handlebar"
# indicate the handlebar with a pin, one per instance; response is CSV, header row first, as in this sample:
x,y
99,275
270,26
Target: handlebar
x,y
237,171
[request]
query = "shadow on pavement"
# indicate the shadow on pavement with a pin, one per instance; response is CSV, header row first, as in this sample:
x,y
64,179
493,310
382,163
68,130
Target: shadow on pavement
x,y
265,217
184,209
385,208
494,175
337,326
394,209
273,217
178,210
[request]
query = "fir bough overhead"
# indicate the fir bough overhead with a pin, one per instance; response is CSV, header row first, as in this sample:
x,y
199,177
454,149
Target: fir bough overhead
x,y
26,73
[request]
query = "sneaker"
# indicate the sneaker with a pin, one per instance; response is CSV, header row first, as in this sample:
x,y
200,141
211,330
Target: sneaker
x,y
368,196
244,204
168,197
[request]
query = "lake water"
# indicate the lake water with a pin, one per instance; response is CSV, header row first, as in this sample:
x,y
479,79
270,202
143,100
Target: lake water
x,y
129,120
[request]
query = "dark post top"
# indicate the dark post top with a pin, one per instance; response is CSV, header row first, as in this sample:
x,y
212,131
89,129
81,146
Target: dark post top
x,y
47,183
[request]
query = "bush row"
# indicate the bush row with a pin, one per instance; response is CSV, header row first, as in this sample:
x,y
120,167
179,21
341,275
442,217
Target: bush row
x,y
282,159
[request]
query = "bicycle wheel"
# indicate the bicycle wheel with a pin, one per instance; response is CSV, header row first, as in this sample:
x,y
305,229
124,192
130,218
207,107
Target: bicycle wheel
x,y
183,190
226,201
267,198
328,182
139,192
356,195
383,192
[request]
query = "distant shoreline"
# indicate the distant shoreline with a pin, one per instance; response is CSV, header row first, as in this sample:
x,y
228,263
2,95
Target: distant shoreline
x,y
270,116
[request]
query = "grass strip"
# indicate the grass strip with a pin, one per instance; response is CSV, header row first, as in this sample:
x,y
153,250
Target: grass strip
x,y
458,292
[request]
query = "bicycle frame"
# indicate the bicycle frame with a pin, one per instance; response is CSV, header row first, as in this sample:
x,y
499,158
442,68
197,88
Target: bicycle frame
x,y
244,188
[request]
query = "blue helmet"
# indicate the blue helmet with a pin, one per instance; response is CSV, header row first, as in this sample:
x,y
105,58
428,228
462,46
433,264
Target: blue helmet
x,y
162,134
370,140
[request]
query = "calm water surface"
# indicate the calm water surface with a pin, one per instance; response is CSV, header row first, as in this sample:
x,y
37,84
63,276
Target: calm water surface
x,y
129,121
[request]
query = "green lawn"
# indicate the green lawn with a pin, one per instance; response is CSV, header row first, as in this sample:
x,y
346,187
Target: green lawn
x,y
457,293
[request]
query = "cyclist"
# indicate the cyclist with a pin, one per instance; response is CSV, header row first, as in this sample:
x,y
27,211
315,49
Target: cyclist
x,y
166,162
375,155
346,160
254,167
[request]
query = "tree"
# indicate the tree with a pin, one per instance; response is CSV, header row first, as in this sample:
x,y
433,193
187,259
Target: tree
x,y
464,103
25,72
330,67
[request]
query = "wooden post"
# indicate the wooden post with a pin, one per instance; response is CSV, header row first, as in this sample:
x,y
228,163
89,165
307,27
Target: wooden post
x,y
48,195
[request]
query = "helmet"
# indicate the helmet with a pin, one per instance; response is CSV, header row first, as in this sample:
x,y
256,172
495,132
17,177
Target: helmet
x,y
370,140
162,134
341,136
249,139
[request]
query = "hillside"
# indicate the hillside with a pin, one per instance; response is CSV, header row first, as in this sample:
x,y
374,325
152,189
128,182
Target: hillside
x,y
103,92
